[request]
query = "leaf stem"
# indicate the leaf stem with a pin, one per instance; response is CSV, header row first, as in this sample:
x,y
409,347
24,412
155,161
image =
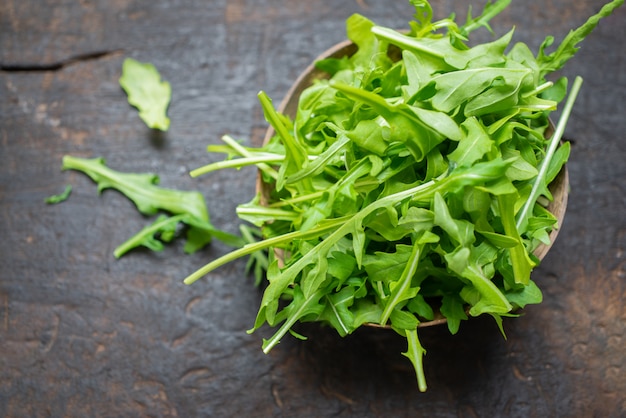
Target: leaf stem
x,y
260,245
237,163
245,153
296,200
415,353
554,142
273,213
540,88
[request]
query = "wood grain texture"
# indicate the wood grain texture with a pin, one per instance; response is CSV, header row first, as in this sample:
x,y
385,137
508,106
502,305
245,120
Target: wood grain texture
x,y
83,334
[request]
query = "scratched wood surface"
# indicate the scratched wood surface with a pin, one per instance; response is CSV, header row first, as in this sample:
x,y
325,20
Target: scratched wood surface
x,y
83,334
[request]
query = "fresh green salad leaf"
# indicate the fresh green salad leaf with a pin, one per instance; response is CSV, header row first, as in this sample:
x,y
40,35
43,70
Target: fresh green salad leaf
x,y
142,189
164,228
58,198
415,352
490,11
187,207
147,92
554,61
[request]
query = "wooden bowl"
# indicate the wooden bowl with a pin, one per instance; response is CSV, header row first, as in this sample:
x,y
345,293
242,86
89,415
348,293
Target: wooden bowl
x,y
289,105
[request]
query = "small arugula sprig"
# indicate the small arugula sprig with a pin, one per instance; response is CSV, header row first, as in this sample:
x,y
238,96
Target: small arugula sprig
x,y
184,207
61,197
410,182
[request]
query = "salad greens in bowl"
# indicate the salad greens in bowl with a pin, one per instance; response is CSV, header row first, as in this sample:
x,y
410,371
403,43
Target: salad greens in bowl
x,y
558,182
417,176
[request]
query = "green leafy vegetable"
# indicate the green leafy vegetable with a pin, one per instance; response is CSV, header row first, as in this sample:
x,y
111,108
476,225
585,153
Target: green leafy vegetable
x,y
415,352
490,11
187,207
147,92
554,61
58,198
408,184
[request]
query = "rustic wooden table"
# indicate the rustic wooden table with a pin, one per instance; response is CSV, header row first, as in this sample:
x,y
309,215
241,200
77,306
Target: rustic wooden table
x,y
83,334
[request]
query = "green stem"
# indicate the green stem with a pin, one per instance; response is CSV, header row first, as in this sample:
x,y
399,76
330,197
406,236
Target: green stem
x,y
539,89
415,353
524,213
245,153
266,212
261,245
237,163
286,277
296,200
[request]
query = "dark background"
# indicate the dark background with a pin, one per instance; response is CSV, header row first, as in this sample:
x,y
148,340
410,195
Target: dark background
x,y
83,334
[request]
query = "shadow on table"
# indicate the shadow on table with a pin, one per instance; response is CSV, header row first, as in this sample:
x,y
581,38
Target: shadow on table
x,y
368,364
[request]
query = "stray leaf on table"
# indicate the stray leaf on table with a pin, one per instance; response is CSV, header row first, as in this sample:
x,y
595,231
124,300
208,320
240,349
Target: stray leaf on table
x,y
147,92
58,198
187,207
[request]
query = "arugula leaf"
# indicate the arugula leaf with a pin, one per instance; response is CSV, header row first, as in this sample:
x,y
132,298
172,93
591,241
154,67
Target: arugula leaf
x,y
141,189
405,125
337,310
489,12
386,266
358,30
295,155
149,198
300,307
164,226
528,294
420,307
453,309
147,92
415,352
402,289
474,145
456,88
423,15
554,61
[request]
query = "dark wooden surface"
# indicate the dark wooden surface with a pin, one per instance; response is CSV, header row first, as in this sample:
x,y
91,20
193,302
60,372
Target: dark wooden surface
x,y
83,334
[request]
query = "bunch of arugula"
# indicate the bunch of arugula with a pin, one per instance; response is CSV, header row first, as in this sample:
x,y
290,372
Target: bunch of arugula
x,y
414,179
